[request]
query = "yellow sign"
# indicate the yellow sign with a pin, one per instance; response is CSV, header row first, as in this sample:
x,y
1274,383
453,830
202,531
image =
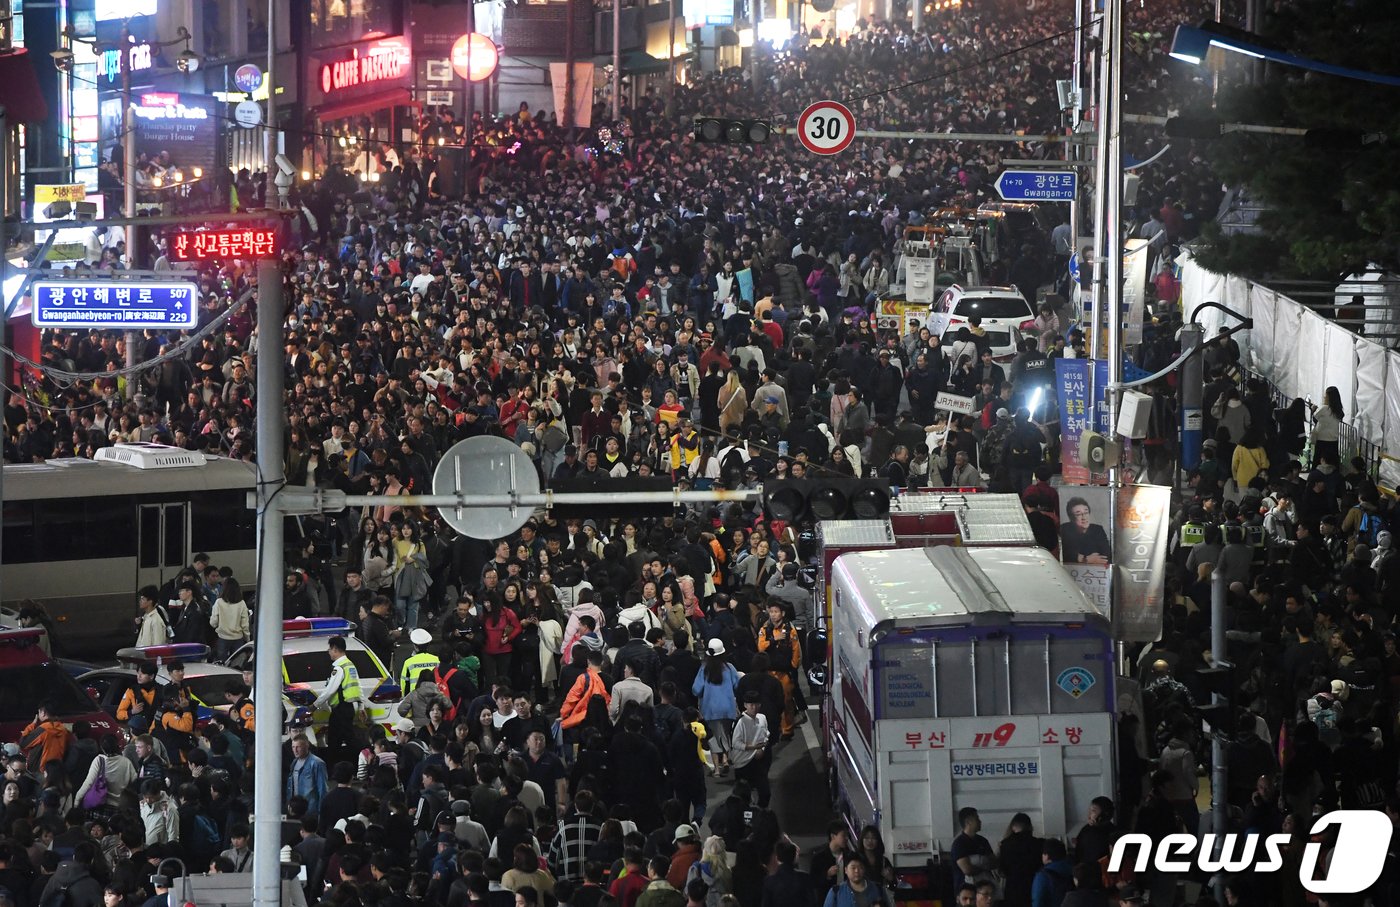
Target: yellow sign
x,y
75,192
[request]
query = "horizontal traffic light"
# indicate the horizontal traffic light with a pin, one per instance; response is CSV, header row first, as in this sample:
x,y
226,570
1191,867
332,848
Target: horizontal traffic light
x,y
799,500
722,131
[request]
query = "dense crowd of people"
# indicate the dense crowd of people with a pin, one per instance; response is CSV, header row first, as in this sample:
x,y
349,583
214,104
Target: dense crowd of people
x,y
576,694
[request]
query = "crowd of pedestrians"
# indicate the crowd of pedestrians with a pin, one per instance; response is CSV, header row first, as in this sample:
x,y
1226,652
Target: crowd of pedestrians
x,y
579,695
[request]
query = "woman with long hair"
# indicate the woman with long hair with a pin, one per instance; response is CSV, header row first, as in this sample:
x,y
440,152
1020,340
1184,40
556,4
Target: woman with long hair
x,y
481,730
501,627
714,689
1019,859
733,403
1327,426
229,619
410,572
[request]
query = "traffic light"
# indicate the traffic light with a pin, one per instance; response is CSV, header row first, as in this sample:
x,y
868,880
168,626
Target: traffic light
x,y
1220,713
796,500
721,131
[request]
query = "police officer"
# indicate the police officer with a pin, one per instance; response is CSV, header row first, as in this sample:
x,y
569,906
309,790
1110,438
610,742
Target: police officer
x,y
241,711
342,694
421,660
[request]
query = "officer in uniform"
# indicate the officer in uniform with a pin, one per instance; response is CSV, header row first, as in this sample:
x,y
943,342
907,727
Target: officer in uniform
x,y
343,695
241,712
421,660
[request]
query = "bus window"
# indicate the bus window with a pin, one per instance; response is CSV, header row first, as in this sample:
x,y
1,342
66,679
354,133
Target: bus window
x,y
19,533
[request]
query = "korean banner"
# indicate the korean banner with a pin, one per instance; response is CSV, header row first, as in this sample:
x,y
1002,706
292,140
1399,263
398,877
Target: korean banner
x,y
1140,561
1084,545
1079,390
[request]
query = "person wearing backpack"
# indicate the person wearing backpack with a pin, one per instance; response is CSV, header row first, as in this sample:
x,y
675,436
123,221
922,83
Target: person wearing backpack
x,y
73,884
199,834
1363,522
456,682
1055,878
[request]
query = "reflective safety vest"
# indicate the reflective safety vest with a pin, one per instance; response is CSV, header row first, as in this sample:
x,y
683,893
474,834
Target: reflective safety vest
x,y
1192,534
350,681
413,666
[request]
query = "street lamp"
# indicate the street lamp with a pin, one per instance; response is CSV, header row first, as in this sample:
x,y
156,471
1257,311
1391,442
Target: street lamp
x,y
1190,44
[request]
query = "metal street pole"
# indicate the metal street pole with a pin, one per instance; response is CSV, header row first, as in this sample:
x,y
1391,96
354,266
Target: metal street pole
x,y
617,62
1219,770
1113,214
267,678
129,191
753,51
270,127
1100,186
568,112
1072,150
671,61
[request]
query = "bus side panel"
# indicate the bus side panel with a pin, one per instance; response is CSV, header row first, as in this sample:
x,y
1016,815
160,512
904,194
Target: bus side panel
x,y
1047,766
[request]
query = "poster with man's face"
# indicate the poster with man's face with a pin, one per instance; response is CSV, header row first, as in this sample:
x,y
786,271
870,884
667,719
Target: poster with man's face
x,y
1084,544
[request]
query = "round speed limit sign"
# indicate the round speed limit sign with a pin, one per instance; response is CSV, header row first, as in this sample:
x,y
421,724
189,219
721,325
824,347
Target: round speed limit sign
x,y
826,127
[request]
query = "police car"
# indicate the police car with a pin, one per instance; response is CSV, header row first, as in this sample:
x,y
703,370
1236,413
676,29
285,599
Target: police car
x,y
306,666
206,681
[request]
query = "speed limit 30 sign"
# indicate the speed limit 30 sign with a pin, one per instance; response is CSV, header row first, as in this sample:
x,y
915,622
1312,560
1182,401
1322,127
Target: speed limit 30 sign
x,y
826,127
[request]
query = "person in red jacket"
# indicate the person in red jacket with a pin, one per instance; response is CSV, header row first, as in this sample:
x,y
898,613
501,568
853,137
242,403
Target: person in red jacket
x,y
500,626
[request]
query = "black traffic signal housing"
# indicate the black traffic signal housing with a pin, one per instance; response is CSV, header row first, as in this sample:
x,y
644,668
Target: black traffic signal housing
x,y
1221,713
725,131
799,500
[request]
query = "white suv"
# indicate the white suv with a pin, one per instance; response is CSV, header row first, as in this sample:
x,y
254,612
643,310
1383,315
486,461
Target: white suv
x,y
1004,312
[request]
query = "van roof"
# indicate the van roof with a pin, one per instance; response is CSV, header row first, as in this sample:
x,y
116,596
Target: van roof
x,y
955,586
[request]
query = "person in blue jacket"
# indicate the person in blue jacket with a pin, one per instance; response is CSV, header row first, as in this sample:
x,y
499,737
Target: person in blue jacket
x,y
858,890
714,689
1055,878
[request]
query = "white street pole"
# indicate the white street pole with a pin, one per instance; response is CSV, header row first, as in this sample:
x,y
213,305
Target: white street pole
x,y
267,678
1113,211
270,127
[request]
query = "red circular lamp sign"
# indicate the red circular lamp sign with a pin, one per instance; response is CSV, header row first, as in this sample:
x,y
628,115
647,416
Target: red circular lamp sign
x,y
474,57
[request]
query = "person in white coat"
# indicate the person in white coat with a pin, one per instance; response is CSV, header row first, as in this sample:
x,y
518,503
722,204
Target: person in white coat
x,y
115,768
153,629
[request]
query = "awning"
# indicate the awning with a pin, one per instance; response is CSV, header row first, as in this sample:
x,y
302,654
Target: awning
x,y
19,88
641,63
397,97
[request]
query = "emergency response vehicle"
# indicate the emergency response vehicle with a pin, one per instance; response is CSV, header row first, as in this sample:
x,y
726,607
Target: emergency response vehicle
x,y
965,677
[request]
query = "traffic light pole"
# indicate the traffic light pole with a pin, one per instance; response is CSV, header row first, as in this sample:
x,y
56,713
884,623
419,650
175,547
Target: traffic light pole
x,y
1219,769
267,637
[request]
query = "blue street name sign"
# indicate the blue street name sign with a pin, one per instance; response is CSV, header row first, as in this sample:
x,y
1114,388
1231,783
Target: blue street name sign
x,y
1038,185
115,304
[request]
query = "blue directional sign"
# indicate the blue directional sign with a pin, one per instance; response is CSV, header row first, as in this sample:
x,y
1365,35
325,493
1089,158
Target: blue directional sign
x,y
115,304
1038,185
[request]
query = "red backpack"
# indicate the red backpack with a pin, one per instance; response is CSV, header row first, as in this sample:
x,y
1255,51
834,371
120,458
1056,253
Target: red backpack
x,y
441,681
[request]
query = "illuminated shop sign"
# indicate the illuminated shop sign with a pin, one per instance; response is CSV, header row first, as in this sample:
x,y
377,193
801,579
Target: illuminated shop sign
x,y
389,60
157,105
109,62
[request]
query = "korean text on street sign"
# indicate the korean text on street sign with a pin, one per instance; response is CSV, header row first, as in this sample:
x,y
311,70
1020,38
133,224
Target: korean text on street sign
x,y
67,192
1038,185
115,303
222,245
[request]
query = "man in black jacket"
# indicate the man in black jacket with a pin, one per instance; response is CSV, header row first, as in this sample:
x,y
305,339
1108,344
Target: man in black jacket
x,y
376,632
787,885
353,596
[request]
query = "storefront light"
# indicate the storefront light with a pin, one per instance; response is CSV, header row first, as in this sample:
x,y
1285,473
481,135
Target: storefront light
x,y
199,173
179,176
374,177
157,181
342,141
305,176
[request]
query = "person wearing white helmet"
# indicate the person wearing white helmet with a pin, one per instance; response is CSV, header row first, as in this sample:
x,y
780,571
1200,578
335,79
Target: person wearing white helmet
x,y
421,660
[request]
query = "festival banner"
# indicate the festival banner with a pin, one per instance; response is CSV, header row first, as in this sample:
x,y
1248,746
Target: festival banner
x,y
1140,561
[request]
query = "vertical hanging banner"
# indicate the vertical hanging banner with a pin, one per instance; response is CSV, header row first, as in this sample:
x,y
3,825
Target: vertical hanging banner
x,y
1140,561
583,91
1079,392
1085,550
1134,309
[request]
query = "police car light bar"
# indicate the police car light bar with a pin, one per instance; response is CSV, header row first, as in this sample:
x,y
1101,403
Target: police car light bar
x,y
180,651
305,627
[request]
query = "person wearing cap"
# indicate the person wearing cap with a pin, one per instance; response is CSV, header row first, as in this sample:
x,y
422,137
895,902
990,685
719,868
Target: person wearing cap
x,y
421,660
342,694
686,854
779,640
715,689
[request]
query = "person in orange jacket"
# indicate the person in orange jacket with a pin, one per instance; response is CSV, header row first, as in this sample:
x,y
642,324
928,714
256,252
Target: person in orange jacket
x,y
139,701
47,734
779,640
575,708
